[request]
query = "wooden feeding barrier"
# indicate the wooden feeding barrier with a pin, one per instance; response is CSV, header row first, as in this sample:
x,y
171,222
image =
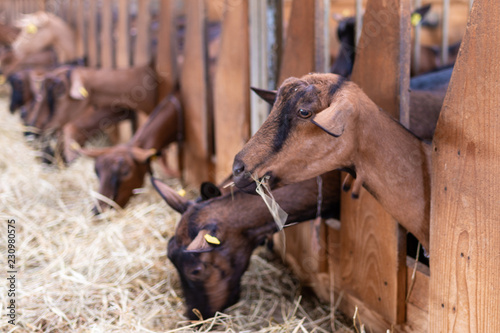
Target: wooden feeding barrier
x,y
360,263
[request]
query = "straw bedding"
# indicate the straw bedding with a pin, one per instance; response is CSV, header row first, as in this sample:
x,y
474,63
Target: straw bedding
x,y
80,273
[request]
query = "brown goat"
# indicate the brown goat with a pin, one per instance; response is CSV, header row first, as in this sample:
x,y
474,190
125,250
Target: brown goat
x,y
40,30
211,274
95,97
322,122
68,91
121,168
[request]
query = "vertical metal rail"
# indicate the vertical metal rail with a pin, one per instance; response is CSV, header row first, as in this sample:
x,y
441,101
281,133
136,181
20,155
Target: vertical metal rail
x,y
359,19
321,33
415,61
274,21
444,42
266,40
258,62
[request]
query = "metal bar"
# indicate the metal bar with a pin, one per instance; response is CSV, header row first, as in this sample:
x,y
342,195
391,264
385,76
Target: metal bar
x,y
258,61
359,19
274,46
321,33
415,61
444,42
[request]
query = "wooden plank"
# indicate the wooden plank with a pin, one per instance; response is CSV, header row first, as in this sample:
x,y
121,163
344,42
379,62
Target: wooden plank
x,y
195,99
80,29
123,42
92,31
298,55
106,38
166,58
167,69
232,90
142,44
417,312
373,245
465,207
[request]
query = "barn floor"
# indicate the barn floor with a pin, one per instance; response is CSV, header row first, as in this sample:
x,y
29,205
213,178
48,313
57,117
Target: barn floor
x,y
79,273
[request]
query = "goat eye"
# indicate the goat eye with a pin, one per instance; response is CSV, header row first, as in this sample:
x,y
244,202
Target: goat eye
x,y
304,113
195,271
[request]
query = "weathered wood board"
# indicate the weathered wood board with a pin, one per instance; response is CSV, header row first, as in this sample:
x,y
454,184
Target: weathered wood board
x,y
232,90
106,40
80,30
373,247
123,40
298,54
93,56
465,208
166,57
142,44
195,97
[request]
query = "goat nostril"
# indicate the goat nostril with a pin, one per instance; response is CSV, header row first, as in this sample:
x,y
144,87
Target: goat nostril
x,y
238,168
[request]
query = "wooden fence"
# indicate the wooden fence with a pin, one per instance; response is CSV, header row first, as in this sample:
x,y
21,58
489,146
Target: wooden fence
x,y
359,264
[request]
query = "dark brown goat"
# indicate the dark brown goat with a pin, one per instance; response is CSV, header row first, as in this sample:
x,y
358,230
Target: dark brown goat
x,y
68,91
121,168
210,274
322,122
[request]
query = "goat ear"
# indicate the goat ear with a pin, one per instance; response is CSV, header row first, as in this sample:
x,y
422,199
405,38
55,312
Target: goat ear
x,y
77,90
203,242
143,155
94,152
209,190
268,95
171,197
333,119
419,14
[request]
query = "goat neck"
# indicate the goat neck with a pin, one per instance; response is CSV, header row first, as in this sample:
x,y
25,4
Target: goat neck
x,y
162,126
396,160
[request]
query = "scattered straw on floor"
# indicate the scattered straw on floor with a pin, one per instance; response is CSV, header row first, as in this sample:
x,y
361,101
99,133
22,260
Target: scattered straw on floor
x,y
80,273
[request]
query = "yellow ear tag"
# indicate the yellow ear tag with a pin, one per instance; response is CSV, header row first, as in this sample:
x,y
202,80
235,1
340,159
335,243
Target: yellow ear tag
x,y
211,239
152,153
31,29
75,146
83,92
181,192
415,19
2,79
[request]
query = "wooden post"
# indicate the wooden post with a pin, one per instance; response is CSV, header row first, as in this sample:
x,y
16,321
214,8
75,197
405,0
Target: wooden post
x,y
195,99
373,246
465,207
106,40
298,55
80,30
142,44
167,69
92,37
123,42
232,89
166,58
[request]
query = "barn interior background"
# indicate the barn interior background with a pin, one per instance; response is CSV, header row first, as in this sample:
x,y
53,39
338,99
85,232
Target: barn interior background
x,y
216,50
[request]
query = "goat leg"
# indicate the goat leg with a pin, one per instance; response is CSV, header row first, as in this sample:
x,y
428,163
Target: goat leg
x,y
356,188
346,185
